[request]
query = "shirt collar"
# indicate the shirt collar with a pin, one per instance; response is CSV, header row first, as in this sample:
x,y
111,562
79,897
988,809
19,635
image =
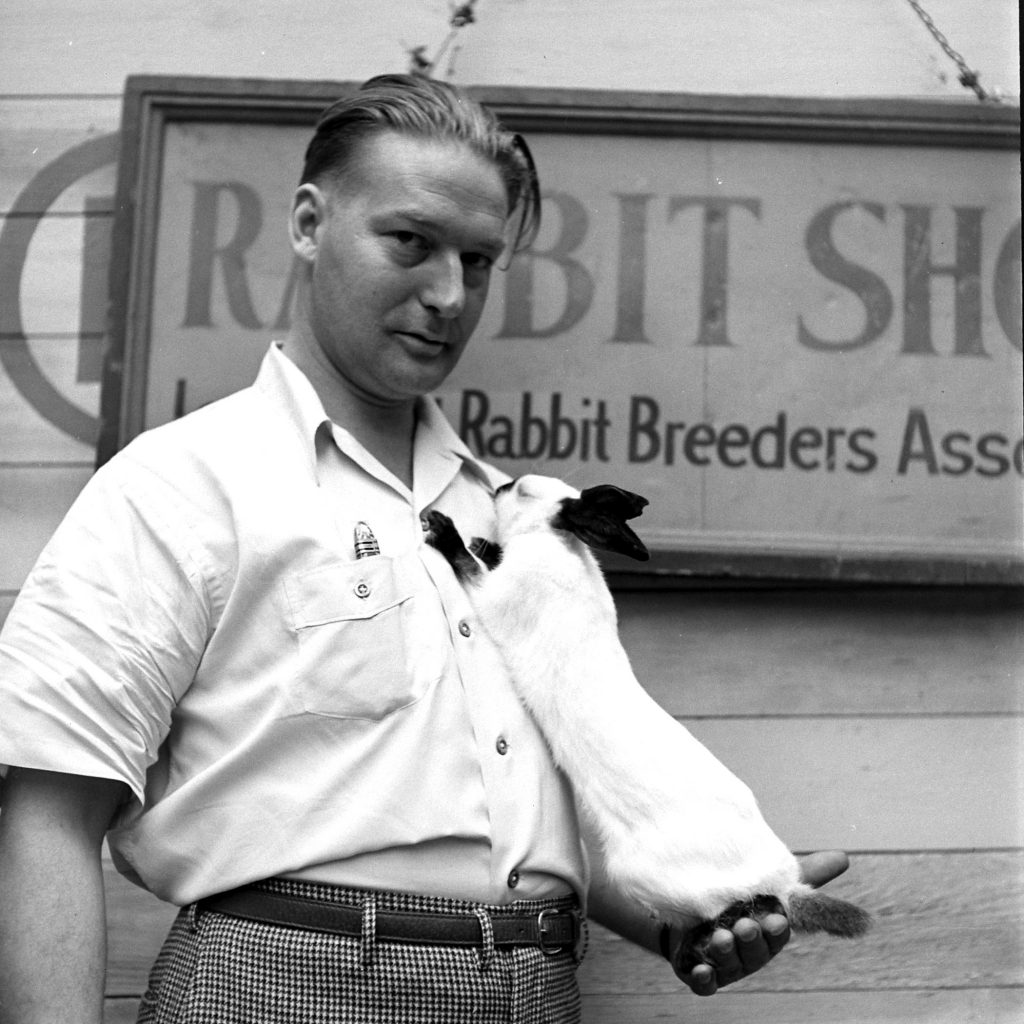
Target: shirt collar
x,y
438,454
291,394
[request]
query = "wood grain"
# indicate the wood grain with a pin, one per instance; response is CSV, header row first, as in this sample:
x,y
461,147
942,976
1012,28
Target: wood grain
x,y
812,651
121,1011
945,1006
39,131
33,500
881,783
956,1006
137,923
942,920
747,47
26,435
51,283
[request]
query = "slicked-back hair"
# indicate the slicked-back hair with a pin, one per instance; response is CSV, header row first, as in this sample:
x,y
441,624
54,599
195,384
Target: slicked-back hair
x,y
420,106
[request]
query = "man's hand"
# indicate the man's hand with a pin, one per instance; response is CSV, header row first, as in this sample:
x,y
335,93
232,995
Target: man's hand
x,y
752,941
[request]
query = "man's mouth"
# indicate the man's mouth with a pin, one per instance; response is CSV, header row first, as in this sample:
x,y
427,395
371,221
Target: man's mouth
x,y
427,339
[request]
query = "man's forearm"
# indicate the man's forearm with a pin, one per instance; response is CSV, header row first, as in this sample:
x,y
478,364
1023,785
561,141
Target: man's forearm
x,y
52,916
625,918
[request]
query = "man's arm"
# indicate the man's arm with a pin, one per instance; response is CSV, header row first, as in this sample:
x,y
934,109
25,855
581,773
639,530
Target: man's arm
x,y
52,915
738,952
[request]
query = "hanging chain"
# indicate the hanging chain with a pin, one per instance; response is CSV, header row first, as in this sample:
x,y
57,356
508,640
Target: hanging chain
x,y
968,78
461,15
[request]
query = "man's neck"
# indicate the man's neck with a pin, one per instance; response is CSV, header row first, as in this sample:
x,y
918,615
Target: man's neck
x,y
386,430
389,438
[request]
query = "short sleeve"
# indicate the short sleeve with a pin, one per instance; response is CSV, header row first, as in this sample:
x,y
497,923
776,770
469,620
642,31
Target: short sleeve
x,y
105,635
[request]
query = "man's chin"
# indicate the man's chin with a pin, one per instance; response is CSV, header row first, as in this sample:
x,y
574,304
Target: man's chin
x,y
420,381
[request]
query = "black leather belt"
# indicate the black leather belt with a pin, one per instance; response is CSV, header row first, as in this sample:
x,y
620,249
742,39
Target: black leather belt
x,y
551,930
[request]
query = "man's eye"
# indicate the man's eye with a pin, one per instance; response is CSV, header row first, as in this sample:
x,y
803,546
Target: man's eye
x,y
477,261
410,240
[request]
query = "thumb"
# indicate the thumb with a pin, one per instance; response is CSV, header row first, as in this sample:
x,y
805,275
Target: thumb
x,y
816,869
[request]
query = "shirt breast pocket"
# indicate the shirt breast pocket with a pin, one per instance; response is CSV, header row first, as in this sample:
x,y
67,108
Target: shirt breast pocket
x,y
361,654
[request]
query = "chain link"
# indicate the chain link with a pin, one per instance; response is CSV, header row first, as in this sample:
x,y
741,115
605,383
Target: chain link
x,y
968,77
461,15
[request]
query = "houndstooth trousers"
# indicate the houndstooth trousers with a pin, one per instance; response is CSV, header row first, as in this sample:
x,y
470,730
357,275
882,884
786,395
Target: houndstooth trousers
x,y
216,969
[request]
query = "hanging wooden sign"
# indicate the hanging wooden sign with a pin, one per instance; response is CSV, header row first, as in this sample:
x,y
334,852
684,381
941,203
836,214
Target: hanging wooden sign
x,y
794,325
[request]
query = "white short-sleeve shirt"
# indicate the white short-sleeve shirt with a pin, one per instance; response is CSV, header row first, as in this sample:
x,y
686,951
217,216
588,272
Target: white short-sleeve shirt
x,y
200,628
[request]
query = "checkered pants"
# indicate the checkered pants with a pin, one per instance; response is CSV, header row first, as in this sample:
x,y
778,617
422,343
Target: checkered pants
x,y
216,969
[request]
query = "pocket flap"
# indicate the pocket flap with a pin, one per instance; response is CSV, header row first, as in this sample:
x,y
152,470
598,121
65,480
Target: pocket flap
x,y
345,590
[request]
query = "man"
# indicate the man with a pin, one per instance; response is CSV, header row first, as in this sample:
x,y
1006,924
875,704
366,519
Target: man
x,y
237,657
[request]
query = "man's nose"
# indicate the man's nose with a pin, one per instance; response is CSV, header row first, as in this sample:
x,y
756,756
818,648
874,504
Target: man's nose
x,y
444,288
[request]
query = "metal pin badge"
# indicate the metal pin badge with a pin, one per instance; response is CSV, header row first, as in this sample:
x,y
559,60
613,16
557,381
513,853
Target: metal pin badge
x,y
366,543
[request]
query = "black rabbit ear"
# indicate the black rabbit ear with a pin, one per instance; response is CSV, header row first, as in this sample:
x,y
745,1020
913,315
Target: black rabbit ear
x,y
614,501
598,518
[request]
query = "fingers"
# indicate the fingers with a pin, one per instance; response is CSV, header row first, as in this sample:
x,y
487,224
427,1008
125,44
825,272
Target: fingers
x,y
816,869
753,942
702,980
740,952
776,932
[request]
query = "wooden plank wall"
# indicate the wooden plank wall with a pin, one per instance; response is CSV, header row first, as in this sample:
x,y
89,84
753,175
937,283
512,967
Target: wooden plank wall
x,y
884,721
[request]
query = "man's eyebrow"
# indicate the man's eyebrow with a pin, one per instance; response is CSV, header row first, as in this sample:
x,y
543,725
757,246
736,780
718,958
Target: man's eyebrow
x,y
493,245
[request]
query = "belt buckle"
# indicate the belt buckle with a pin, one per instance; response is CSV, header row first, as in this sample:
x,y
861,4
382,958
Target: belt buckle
x,y
542,928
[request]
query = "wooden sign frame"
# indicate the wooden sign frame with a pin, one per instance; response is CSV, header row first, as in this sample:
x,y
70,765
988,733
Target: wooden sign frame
x,y
155,106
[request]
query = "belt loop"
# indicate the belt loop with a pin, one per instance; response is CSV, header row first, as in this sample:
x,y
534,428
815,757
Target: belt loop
x,y
583,942
369,935
486,953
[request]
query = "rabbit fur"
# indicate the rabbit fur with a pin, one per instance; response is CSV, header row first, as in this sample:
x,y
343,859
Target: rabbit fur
x,y
679,833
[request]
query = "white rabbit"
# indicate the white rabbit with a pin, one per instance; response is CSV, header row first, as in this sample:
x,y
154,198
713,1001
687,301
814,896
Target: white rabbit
x,y
680,833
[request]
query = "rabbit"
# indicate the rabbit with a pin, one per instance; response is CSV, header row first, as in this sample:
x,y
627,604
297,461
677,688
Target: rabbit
x,y
680,834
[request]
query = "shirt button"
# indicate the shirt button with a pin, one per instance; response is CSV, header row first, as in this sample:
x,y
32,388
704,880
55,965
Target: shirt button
x,y
502,745
513,878
362,589
464,628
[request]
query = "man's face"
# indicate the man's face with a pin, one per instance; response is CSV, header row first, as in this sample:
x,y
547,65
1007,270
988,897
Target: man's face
x,y
401,250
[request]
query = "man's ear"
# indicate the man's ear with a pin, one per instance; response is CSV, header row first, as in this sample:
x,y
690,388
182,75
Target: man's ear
x,y
309,211
598,518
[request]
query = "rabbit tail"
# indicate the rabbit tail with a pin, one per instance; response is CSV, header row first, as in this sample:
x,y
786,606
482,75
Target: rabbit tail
x,y
813,911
